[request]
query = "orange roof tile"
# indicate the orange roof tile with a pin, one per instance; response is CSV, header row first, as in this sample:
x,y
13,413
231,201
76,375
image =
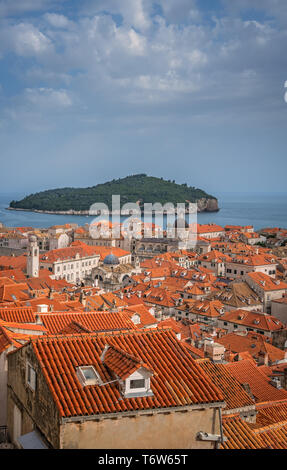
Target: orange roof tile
x,y
17,314
270,413
177,380
266,282
253,344
257,320
121,363
239,434
234,394
273,436
247,372
94,321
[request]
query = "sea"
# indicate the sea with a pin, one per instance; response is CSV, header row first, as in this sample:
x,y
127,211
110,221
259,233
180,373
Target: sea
x,y
258,209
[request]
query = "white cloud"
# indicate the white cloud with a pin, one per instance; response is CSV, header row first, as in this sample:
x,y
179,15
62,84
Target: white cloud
x,y
57,21
48,98
25,40
108,65
134,13
131,41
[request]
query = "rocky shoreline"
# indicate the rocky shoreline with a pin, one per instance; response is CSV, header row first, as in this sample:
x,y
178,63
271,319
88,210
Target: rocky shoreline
x,y
203,205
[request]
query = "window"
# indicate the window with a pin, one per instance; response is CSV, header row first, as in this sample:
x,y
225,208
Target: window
x,y
88,375
31,376
139,383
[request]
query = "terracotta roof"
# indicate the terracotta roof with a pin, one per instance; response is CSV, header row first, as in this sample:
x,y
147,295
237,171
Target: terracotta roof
x,y
14,292
74,328
195,352
9,338
234,394
17,314
13,274
121,363
256,320
273,436
214,256
177,380
145,317
261,389
270,413
11,262
102,251
239,435
111,299
204,308
237,295
23,326
266,282
253,344
209,228
94,321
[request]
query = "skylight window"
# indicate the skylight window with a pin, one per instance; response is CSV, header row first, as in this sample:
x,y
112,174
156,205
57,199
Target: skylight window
x,y
88,376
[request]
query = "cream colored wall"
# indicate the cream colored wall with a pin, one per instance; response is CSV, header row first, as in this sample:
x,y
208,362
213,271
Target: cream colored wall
x,y
279,310
176,430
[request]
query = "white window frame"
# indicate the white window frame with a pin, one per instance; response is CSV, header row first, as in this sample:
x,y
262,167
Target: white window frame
x,y
85,382
31,382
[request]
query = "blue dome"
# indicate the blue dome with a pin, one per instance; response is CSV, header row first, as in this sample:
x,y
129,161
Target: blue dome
x,y
111,259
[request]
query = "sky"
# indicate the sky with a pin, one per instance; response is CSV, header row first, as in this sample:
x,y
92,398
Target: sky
x,y
191,90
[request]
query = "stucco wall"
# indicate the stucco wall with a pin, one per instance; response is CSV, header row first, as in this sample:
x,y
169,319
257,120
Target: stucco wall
x,y
176,430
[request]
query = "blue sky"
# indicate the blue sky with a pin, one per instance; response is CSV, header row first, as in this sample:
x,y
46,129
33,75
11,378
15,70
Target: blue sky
x,y
184,89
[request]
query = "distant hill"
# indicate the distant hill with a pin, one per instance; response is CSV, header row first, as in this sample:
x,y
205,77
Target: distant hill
x,y
135,188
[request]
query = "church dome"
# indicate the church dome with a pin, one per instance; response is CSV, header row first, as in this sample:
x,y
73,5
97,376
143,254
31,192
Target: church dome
x,y
111,259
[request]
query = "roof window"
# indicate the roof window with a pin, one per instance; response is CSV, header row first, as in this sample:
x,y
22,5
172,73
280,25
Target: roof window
x,y
88,376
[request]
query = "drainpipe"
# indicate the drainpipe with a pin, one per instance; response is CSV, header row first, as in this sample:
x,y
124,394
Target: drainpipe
x,y
221,430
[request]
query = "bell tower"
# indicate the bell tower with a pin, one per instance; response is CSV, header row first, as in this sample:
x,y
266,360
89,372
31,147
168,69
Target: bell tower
x,y
33,257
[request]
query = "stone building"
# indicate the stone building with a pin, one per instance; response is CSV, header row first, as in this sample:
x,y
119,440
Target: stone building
x,y
137,389
33,258
112,275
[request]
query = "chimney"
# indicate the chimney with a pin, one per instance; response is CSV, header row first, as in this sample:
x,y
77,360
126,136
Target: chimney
x,y
38,319
263,358
83,299
247,389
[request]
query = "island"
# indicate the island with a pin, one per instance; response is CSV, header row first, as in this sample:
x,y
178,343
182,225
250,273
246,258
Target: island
x,y
138,189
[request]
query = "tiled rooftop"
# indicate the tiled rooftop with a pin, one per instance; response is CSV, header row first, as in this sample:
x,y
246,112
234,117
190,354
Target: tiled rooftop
x,y
234,394
247,372
177,379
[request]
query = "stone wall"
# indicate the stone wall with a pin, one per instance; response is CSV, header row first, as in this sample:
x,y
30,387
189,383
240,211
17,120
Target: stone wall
x,y
37,407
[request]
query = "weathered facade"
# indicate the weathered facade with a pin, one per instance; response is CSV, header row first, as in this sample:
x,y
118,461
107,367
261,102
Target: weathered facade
x,y
28,409
34,403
